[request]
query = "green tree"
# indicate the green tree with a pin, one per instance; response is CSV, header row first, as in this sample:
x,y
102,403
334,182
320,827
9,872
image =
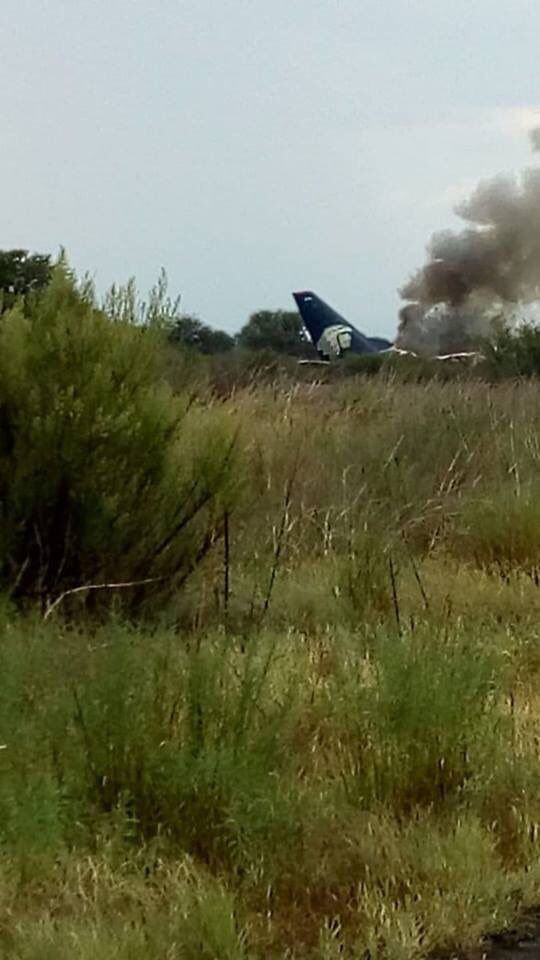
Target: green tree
x,y
279,330
22,273
191,332
513,353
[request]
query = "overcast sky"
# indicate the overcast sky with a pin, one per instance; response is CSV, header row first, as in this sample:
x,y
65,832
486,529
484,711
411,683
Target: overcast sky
x,y
255,147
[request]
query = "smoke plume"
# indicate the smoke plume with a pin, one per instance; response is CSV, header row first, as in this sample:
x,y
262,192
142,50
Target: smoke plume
x,y
484,275
535,138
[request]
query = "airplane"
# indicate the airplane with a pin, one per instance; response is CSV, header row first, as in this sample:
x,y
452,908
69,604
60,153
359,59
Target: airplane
x,y
332,335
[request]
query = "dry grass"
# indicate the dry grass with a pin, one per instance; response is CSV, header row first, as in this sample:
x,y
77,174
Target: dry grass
x,y
328,745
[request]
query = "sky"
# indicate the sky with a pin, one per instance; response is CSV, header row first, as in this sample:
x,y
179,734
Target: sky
x,y
256,147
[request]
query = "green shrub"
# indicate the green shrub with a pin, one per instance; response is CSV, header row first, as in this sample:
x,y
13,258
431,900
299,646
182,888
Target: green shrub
x,y
425,711
512,353
501,534
367,577
104,475
145,738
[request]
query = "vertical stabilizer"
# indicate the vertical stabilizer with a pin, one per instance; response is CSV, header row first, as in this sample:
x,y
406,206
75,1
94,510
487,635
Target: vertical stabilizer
x,y
331,333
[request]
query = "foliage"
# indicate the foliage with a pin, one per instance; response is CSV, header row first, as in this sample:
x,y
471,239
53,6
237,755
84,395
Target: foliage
x,y
501,533
281,331
425,726
103,474
192,333
22,273
513,353
161,310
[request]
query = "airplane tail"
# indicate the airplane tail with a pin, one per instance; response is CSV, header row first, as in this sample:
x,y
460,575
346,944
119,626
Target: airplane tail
x,y
316,314
330,332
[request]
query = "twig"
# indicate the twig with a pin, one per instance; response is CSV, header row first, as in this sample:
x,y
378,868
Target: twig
x,y
395,597
18,578
226,565
417,577
99,586
279,542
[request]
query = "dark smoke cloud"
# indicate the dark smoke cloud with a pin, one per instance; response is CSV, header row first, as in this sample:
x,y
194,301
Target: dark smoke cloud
x,y
443,329
475,278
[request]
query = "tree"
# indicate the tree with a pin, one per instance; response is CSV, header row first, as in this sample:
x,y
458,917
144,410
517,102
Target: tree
x,y
512,353
191,332
279,330
22,273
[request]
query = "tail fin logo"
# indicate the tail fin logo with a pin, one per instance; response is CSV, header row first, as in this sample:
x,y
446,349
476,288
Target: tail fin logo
x,y
334,341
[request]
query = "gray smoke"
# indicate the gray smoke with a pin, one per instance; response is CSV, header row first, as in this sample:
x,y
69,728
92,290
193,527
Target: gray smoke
x,y
481,277
535,138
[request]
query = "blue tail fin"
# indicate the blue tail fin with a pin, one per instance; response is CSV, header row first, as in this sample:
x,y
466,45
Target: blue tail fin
x,y
330,332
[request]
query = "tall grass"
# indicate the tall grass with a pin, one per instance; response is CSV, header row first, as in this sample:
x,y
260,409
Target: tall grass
x,y
321,787
321,739
370,485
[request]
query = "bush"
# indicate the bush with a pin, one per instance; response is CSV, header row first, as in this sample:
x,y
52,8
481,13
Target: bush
x,y
104,475
501,534
426,716
148,739
513,354
180,742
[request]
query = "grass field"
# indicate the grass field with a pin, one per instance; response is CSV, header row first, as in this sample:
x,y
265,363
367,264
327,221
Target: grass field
x,y
325,742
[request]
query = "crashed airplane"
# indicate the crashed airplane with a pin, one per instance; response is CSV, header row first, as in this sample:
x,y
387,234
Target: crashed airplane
x,y
333,336
476,282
